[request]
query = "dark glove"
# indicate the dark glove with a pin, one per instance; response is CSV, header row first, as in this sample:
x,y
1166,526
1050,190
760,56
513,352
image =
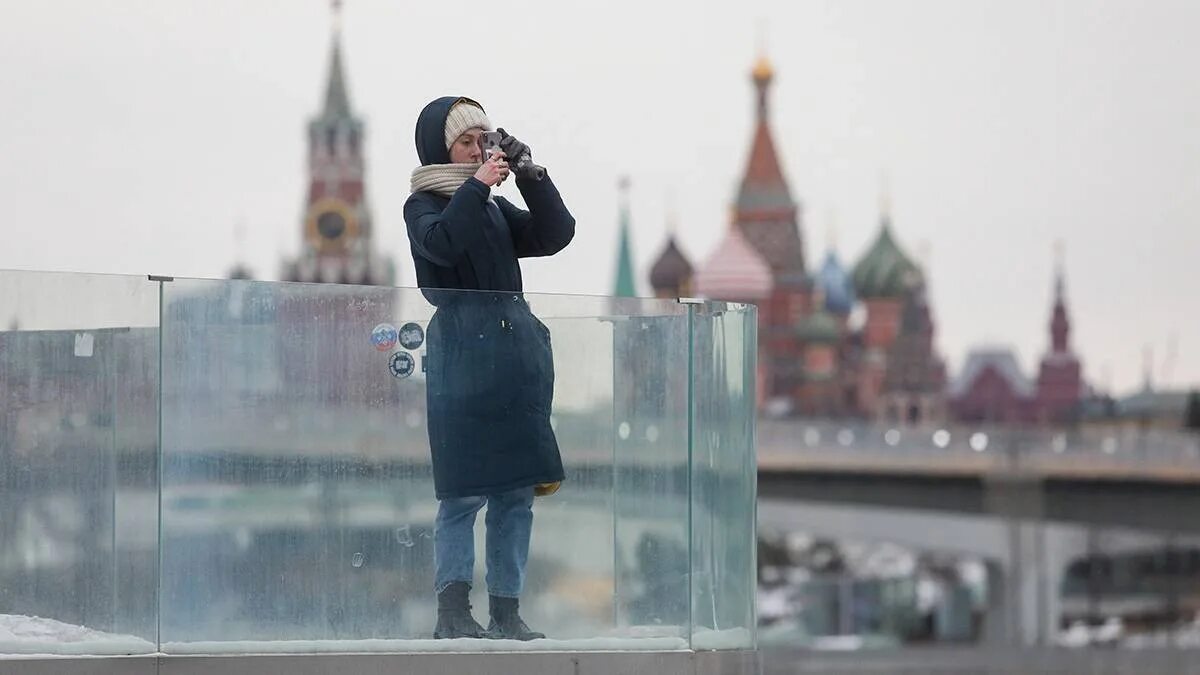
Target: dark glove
x,y
519,157
513,148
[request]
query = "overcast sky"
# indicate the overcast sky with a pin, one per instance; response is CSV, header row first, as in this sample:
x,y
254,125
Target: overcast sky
x,y
136,134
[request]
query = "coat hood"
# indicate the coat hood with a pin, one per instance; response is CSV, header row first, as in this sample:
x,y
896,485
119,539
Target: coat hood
x,y
431,130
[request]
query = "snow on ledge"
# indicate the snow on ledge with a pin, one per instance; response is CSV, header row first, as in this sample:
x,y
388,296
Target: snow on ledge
x,y
461,645
730,638
22,636
32,635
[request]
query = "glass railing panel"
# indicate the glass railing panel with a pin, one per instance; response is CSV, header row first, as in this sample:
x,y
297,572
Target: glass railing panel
x,y
78,471
724,476
649,435
299,495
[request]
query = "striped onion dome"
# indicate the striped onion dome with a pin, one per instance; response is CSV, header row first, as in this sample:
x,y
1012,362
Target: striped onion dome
x,y
735,271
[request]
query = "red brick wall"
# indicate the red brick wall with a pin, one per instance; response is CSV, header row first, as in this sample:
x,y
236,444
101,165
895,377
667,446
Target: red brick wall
x,y
883,323
990,398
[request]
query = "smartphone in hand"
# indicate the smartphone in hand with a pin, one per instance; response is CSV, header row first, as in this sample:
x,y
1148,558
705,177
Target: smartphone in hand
x,y
489,142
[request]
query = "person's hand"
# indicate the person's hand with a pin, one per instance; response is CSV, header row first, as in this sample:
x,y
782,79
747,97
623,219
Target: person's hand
x,y
494,171
512,147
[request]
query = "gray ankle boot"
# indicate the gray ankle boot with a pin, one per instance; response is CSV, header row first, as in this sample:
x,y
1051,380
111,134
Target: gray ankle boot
x,y
454,618
506,623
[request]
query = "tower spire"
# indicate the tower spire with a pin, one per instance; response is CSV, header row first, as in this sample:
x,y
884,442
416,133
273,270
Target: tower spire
x,y
1060,323
1147,368
1059,276
763,72
624,284
337,96
885,197
672,215
762,75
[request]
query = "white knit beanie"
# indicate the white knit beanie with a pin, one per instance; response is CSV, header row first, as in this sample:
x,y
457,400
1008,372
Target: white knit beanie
x,y
462,116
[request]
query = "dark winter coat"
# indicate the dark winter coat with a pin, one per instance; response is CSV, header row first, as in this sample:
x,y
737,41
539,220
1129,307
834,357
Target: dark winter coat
x,y
489,366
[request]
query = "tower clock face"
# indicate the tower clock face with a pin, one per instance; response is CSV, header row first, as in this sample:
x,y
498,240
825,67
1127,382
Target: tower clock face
x,y
331,224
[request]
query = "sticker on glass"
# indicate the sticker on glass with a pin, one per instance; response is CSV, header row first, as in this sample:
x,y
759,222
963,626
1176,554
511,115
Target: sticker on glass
x,y
401,364
384,336
84,344
412,335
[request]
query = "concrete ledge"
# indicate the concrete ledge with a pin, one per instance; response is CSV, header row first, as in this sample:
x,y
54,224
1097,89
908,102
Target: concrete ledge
x,y
79,665
447,663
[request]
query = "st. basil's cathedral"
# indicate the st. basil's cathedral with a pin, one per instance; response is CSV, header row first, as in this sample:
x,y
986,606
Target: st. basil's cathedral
x,y
817,357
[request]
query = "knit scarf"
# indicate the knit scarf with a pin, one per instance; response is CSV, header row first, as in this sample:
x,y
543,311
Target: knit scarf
x,y
442,179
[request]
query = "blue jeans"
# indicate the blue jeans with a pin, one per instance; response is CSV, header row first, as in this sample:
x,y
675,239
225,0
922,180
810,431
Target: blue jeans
x,y
509,522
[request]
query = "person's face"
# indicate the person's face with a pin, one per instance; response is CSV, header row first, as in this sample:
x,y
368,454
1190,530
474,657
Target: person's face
x,y
465,149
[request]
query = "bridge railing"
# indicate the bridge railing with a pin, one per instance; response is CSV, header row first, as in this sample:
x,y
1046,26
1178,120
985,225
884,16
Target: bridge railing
x,y
201,467
965,448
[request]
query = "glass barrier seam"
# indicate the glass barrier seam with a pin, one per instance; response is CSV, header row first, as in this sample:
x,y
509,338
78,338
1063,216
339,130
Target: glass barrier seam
x,y
158,600
691,496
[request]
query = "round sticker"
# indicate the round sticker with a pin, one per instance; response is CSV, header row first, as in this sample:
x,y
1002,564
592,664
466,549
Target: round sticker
x,y
384,336
401,364
411,335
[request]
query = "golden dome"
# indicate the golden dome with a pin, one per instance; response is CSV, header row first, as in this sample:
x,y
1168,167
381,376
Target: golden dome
x,y
763,70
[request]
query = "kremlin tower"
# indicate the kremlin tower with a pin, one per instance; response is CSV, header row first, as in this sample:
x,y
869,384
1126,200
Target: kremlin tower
x,y
336,228
1060,379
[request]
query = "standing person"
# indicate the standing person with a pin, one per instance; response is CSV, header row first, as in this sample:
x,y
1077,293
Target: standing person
x,y
489,366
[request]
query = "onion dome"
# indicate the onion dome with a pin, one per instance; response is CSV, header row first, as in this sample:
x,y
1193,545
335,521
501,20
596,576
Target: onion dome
x,y
885,271
819,327
671,271
835,284
735,271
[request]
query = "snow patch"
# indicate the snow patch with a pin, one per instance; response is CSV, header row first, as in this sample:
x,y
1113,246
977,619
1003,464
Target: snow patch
x,y
600,644
26,635
36,635
732,638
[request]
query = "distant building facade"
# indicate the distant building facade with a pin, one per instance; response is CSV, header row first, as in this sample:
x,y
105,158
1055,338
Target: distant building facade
x,y
991,389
